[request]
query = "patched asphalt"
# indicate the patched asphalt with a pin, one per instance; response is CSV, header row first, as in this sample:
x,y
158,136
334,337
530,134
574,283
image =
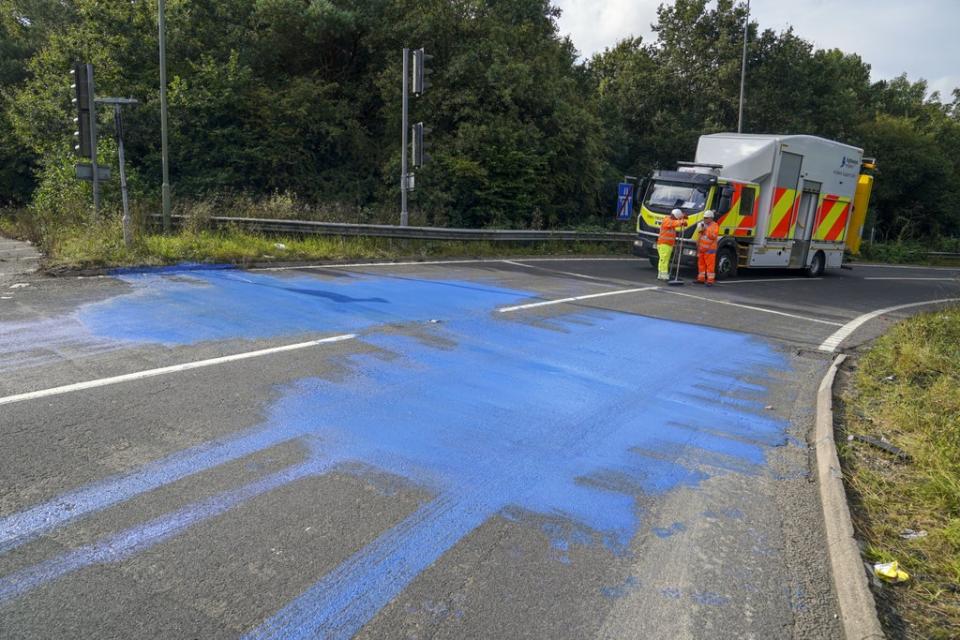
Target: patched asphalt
x,y
634,465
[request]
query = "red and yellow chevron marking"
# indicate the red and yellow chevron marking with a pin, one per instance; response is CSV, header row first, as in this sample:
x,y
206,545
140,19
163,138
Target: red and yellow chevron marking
x,y
831,220
782,213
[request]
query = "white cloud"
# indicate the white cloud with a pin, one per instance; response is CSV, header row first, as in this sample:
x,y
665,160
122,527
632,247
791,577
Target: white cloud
x,y
893,36
595,25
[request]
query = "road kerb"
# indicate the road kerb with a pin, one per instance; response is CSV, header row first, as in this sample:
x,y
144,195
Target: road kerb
x,y
858,611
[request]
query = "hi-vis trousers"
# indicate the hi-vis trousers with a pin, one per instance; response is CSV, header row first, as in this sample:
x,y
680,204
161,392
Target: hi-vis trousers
x,y
665,251
707,262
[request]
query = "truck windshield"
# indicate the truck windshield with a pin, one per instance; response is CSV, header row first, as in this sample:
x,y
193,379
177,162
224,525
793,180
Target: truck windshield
x,y
666,196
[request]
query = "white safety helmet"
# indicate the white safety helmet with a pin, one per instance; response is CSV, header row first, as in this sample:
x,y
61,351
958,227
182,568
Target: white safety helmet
x,y
708,214
677,213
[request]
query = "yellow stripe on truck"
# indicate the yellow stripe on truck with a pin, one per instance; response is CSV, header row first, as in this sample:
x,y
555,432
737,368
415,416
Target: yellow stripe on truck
x,y
829,218
780,215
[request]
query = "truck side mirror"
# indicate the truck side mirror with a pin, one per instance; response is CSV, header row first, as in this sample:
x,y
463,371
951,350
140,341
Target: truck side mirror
x,y
726,197
642,189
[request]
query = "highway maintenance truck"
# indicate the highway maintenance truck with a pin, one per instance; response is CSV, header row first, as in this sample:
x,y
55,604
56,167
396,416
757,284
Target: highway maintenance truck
x,y
782,201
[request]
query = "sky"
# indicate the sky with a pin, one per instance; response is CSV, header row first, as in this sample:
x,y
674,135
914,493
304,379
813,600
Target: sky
x,y
918,37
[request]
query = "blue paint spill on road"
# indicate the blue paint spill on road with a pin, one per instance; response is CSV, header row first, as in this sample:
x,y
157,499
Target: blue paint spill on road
x,y
709,598
570,422
631,584
666,532
189,304
174,308
671,592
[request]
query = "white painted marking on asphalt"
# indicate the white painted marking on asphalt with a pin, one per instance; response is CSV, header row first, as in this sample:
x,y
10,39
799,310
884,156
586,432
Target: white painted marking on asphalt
x,y
370,264
830,344
600,281
546,303
414,263
903,266
149,373
908,278
753,308
769,280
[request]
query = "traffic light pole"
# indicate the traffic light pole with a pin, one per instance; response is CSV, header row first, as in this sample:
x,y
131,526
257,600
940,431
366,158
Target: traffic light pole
x,y
93,145
404,178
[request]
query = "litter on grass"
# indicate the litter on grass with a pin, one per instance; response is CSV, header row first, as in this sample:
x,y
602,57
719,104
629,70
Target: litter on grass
x,y
890,572
910,534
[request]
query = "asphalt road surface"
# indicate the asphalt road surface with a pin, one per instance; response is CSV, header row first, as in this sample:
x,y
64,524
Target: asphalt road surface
x,y
496,449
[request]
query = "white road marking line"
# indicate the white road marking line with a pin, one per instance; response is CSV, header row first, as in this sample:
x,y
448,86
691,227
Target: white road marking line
x,y
369,264
830,344
769,280
600,281
867,265
752,308
909,278
414,263
545,303
149,373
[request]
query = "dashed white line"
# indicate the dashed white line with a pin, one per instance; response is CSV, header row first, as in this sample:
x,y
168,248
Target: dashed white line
x,y
149,373
753,308
545,303
831,343
769,280
415,263
908,278
599,281
865,265
369,264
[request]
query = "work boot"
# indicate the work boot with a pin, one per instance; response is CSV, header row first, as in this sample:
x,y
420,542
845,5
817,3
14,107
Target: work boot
x,y
663,276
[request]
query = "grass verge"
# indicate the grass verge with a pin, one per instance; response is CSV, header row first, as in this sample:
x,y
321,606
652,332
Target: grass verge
x,y
912,253
100,245
906,391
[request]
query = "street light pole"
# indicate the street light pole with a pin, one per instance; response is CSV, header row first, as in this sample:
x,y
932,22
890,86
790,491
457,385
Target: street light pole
x,y
164,153
743,67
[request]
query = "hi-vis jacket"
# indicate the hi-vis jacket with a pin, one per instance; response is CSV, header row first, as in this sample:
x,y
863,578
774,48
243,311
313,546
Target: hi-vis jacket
x,y
707,243
668,227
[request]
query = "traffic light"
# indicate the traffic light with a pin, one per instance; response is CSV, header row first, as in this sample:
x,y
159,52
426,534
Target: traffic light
x,y
80,83
420,156
420,71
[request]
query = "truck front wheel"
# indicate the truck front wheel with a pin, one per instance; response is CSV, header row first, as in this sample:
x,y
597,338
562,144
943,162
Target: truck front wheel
x,y
726,263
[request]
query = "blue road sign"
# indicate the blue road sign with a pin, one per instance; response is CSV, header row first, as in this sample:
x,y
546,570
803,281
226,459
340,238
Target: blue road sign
x,y
624,201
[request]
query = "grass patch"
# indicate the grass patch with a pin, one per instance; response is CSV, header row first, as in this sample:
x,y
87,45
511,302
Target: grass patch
x,y
99,245
907,389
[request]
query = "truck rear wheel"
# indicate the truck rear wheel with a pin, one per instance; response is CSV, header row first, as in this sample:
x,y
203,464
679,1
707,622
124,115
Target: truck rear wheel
x,y
726,263
817,266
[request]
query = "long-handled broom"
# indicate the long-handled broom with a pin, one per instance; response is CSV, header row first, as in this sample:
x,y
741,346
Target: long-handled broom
x,y
676,281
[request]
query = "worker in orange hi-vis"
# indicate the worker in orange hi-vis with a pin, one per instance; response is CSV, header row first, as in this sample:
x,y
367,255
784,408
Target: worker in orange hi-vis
x,y
666,240
707,249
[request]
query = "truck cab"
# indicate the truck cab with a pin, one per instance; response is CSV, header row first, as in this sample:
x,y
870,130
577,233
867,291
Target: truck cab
x,y
693,190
